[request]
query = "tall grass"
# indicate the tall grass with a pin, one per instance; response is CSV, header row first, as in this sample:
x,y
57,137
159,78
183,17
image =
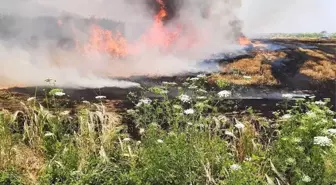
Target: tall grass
x,y
188,139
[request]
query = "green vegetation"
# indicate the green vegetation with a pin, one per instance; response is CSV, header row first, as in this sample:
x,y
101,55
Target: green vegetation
x,y
188,139
303,35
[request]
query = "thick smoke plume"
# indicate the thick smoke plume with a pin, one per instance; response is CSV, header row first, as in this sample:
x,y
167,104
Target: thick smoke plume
x,y
34,47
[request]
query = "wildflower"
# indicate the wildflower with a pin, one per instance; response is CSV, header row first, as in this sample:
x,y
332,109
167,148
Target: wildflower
x,y
334,120
248,159
332,131
127,139
130,111
287,96
201,97
240,125
194,79
235,167
169,83
145,101
202,91
224,93
192,87
141,130
201,76
306,178
31,99
159,141
59,94
189,111
247,77
189,123
100,97
322,141
185,98
229,133
86,102
320,103
65,113
286,116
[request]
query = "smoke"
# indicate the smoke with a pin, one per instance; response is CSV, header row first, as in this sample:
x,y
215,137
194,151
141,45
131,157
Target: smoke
x,y
30,39
288,16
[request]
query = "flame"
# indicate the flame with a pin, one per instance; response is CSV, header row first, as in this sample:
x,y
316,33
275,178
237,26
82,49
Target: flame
x,y
244,41
157,36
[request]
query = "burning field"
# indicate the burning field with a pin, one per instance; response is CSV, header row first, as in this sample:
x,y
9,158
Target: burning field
x,y
176,95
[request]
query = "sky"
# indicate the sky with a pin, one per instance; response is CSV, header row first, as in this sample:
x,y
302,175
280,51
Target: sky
x,y
265,16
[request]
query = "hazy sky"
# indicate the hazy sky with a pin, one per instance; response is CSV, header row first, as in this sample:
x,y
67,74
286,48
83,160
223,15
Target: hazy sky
x,y
289,15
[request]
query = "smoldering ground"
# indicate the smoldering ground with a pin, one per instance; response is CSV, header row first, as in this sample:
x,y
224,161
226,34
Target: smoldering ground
x,y
212,23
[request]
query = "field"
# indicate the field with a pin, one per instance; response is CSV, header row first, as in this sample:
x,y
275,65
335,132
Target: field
x,y
266,117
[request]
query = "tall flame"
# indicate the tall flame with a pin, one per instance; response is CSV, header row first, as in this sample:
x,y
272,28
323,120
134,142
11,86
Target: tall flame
x,y
104,41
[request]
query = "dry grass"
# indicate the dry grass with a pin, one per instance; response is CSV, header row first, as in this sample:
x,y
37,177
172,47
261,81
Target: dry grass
x,y
30,162
321,70
258,68
316,54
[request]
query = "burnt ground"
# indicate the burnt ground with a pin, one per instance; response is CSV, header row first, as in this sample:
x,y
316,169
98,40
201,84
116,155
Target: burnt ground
x,y
259,77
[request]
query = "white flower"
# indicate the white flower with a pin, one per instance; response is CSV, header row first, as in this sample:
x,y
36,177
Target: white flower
x,y
100,97
127,139
334,120
306,178
194,79
65,113
240,125
332,131
201,76
130,111
169,83
86,102
201,97
31,99
192,87
185,98
224,93
189,123
229,133
322,141
189,111
235,167
287,96
59,93
202,91
144,101
286,116
159,141
320,103
141,130
248,159
247,77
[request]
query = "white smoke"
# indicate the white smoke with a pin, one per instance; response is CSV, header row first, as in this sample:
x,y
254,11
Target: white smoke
x,y
31,66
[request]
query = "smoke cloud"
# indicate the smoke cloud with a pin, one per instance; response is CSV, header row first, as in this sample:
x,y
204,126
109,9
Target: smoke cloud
x,y
30,39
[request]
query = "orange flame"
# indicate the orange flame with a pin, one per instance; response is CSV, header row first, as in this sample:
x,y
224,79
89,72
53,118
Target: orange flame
x,y
244,41
103,41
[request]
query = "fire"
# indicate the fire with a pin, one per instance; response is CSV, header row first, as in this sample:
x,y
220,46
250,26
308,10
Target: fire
x,y
104,41
115,44
244,41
